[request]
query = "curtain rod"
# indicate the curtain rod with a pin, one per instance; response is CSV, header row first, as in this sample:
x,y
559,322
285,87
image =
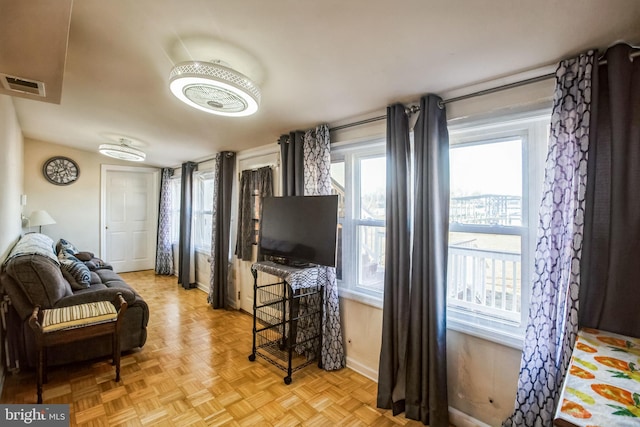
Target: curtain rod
x,y
415,109
226,153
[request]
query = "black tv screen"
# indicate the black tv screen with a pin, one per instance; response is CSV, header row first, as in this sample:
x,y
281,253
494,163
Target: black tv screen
x,y
300,229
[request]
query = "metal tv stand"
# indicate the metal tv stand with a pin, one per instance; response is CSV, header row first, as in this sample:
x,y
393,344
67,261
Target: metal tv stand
x,y
287,317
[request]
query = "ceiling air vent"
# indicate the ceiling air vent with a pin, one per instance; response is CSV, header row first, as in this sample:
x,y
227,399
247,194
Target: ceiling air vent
x,y
22,85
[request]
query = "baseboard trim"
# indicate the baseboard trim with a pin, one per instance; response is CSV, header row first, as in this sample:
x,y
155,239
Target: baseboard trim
x,y
456,417
362,369
205,288
460,419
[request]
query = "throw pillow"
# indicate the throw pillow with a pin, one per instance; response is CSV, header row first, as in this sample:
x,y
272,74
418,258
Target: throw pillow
x,y
66,246
65,254
84,256
76,273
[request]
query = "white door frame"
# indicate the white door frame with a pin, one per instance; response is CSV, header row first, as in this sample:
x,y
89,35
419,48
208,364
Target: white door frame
x,y
103,196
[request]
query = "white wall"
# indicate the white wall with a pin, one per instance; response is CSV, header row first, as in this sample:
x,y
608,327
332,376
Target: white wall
x,y
11,154
11,147
75,207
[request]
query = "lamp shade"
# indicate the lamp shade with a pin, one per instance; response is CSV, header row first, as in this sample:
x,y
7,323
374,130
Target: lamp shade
x,y
39,218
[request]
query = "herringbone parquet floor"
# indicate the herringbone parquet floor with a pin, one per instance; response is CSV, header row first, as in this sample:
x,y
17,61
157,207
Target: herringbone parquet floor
x,y
194,370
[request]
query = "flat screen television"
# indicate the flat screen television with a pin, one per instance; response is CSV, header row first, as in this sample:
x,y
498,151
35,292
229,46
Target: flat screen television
x,y
299,230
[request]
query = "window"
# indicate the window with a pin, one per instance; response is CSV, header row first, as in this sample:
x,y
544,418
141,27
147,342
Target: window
x,y
202,210
496,173
175,209
358,177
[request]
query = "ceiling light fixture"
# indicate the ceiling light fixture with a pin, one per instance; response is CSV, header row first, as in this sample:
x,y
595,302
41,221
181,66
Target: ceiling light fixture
x,y
215,88
122,151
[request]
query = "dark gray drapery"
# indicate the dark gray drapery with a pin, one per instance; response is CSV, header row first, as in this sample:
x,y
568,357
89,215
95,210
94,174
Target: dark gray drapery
x,y
292,159
413,367
395,318
426,395
254,185
186,198
221,229
610,275
164,253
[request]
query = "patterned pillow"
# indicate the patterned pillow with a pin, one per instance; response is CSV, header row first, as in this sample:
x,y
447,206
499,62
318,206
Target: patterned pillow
x,y
84,256
66,246
76,273
65,254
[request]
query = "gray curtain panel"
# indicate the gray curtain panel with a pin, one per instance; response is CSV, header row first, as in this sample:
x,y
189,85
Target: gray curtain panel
x,y
221,229
413,364
553,313
254,186
426,389
164,254
609,297
186,195
395,317
292,163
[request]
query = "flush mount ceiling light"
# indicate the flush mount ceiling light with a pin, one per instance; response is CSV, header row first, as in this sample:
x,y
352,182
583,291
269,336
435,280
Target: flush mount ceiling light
x,y
215,88
122,151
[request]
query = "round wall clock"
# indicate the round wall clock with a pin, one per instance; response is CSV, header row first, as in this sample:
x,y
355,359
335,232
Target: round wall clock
x,y
61,170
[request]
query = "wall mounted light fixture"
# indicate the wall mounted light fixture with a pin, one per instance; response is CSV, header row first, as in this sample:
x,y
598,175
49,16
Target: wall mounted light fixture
x,y
40,218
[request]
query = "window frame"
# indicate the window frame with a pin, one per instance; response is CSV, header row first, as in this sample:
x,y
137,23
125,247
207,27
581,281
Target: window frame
x,y
175,188
533,125
532,129
351,152
198,212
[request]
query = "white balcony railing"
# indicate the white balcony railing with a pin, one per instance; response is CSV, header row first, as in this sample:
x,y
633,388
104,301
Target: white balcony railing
x,y
485,281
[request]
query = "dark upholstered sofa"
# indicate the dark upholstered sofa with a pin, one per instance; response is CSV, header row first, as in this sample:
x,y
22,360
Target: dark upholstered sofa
x,y
34,274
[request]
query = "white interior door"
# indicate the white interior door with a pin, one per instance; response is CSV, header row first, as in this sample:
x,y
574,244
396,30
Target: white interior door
x,y
130,204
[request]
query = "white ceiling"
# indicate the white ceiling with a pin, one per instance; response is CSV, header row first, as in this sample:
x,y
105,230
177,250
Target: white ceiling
x,y
316,61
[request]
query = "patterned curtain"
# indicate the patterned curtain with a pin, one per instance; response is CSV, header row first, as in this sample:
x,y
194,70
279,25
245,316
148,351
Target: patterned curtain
x,y
553,314
254,185
164,253
317,182
219,279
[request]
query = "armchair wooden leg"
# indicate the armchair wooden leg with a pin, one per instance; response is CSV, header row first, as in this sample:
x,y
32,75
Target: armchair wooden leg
x,y
116,354
39,374
45,371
